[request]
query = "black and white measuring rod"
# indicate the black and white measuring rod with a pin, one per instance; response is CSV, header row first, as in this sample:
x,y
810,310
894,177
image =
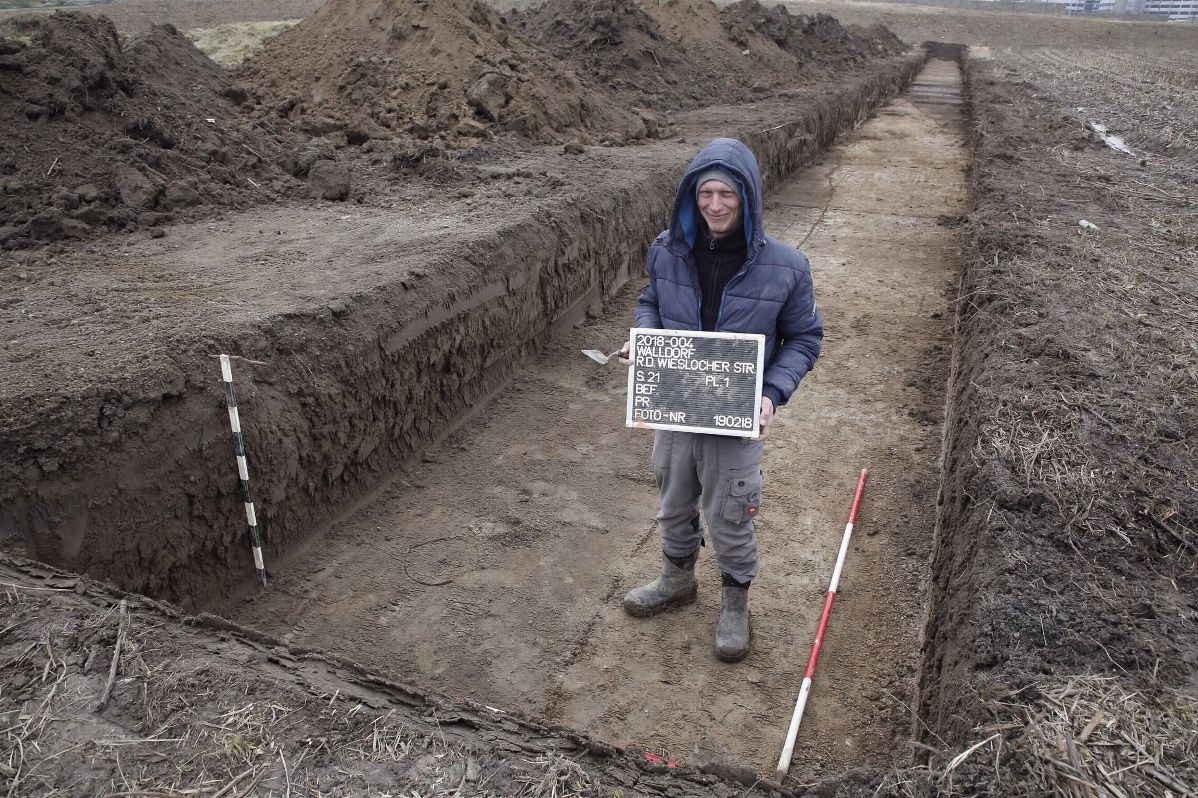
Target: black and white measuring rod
x,y
243,469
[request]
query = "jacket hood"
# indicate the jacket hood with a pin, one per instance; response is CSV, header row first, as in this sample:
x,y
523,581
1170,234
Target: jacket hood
x,y
733,155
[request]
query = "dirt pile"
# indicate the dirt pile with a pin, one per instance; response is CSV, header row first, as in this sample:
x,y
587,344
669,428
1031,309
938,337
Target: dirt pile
x,y
616,43
747,65
880,38
684,54
819,43
100,136
452,71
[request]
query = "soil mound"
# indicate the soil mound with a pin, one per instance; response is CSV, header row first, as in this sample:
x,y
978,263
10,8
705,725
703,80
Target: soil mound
x,y
617,43
880,38
450,71
104,137
682,54
819,43
740,65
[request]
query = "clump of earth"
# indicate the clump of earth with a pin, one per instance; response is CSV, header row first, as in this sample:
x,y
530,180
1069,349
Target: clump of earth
x,y
449,72
105,135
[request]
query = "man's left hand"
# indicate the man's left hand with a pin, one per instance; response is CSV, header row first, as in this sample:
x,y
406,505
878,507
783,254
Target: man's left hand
x,y
767,416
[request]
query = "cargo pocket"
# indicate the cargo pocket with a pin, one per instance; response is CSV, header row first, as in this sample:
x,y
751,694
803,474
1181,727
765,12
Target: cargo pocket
x,y
743,500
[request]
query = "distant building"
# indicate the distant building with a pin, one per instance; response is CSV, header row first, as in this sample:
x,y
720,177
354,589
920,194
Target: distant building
x,y
1090,6
1168,9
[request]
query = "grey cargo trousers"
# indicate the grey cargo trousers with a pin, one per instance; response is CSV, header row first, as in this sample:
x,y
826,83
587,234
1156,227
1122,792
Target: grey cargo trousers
x,y
723,476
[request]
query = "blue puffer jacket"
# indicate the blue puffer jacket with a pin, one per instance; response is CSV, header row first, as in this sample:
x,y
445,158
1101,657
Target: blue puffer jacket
x,y
771,294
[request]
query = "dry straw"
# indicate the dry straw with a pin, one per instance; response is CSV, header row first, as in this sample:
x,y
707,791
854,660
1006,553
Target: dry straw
x,y
1092,737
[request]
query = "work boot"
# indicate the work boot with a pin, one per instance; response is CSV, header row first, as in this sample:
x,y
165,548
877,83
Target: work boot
x,y
675,587
733,631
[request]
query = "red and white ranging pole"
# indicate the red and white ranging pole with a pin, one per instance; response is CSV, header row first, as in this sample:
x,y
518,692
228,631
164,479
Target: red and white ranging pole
x,y
805,690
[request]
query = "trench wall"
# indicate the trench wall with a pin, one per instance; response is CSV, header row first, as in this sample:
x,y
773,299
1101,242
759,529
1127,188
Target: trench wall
x,y
136,485
955,549
1040,577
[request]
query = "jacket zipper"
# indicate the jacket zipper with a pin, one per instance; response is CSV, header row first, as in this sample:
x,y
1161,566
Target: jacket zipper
x,y
716,265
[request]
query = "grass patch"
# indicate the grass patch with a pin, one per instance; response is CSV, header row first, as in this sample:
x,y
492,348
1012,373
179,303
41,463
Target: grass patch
x,y
19,27
229,45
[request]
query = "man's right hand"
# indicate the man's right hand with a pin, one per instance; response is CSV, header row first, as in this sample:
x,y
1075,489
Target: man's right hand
x,y
626,354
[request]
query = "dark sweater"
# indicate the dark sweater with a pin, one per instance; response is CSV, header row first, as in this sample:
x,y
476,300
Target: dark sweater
x,y
717,261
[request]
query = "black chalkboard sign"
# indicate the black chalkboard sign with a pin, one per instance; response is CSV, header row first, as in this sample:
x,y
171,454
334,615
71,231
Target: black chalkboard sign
x,y
696,381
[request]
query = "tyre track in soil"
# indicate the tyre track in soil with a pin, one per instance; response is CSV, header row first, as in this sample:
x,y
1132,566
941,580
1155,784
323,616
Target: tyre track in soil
x,y
494,568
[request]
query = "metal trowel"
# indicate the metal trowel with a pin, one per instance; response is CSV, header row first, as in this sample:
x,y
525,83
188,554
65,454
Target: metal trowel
x,y
599,357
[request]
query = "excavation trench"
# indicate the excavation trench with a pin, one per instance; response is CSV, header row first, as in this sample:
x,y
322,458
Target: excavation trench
x,y
493,568
373,330
452,501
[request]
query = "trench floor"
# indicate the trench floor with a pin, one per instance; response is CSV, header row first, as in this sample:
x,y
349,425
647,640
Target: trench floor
x,y
494,568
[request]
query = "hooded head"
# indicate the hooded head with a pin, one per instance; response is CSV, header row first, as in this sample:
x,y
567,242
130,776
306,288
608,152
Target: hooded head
x,y
723,160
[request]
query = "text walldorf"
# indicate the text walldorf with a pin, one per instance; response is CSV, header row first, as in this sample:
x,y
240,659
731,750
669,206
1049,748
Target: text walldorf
x,y
676,352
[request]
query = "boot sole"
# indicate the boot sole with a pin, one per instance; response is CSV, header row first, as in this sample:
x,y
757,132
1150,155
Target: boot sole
x,y
673,604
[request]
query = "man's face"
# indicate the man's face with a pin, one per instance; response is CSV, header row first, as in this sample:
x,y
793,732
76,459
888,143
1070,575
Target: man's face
x,y
720,205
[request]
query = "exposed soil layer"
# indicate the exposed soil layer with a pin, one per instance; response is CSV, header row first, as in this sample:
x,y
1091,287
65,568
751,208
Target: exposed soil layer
x,y
509,590
101,135
450,70
378,331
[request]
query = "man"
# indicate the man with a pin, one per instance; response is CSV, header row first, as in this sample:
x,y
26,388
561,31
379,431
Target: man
x,y
715,269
